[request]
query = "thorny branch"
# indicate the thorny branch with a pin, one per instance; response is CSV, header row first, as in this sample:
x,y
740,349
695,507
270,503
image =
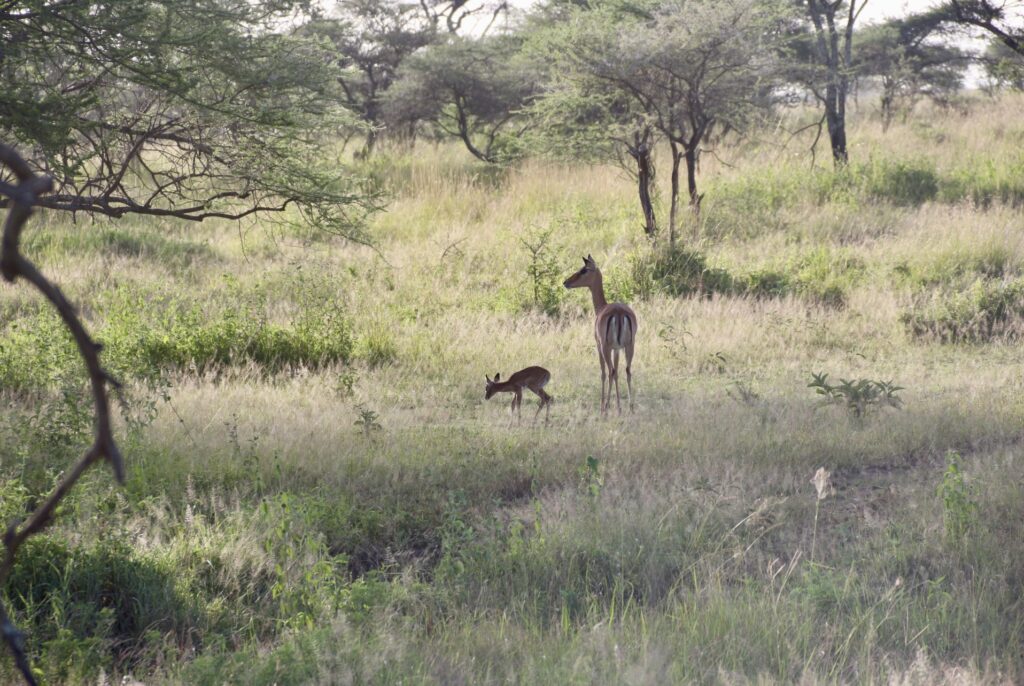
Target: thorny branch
x,y
13,265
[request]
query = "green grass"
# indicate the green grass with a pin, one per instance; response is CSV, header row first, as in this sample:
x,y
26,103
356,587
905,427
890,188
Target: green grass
x,y
319,493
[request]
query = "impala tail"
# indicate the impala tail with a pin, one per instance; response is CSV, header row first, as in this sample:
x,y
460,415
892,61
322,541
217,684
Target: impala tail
x,y
619,330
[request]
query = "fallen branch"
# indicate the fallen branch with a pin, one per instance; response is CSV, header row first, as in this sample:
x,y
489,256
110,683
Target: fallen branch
x,y
13,265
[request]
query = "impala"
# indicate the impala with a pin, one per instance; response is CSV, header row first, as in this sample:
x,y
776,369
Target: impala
x,y
534,378
614,329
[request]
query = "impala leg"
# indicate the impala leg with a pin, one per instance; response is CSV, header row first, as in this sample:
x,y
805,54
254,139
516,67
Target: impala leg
x,y
600,356
545,404
629,372
519,407
615,377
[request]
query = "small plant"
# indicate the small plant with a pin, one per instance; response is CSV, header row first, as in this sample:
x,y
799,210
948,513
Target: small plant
x,y
959,510
545,290
345,384
591,480
367,421
858,396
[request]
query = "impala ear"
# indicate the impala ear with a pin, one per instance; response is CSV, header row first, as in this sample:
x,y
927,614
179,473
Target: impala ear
x,y
488,378
497,377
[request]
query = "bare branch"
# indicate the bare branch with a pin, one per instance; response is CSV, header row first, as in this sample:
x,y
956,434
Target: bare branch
x,y
13,265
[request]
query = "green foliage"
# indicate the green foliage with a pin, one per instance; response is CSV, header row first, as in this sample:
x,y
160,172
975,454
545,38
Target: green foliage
x,y
681,272
986,311
985,182
367,421
901,182
959,508
146,333
543,270
260,148
590,477
92,607
857,396
377,347
824,275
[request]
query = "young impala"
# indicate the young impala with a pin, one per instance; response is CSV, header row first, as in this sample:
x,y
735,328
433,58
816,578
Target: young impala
x,y
534,378
614,329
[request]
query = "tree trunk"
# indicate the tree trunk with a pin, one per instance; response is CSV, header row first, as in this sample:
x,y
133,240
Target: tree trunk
x,y
641,154
673,216
835,116
691,179
835,61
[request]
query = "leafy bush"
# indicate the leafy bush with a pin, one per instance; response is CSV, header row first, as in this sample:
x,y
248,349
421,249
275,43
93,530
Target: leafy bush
x,y
681,272
766,283
901,182
984,183
959,510
546,291
146,333
826,275
857,396
92,607
377,347
983,312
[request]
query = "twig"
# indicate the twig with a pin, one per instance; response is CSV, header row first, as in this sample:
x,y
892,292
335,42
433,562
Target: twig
x,y
13,265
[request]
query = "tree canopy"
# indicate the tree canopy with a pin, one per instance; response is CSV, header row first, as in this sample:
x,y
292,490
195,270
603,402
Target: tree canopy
x,y
183,108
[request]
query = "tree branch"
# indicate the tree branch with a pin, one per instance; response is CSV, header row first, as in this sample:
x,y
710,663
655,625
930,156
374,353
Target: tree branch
x,y
13,265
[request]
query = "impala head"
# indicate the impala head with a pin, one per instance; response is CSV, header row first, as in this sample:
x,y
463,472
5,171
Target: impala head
x,y
585,277
489,389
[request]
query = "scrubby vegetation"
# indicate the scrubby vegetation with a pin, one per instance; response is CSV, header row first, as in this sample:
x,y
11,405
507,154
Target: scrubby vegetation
x,y
318,493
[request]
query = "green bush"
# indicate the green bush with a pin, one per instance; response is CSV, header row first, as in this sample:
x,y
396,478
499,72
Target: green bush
x,y
901,182
986,182
681,272
985,311
826,275
91,607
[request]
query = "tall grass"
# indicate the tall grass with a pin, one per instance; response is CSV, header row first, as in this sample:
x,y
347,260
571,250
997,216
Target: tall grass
x,y
318,492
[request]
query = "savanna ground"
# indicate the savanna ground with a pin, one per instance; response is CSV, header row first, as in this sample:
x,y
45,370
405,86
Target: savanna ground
x,y
318,492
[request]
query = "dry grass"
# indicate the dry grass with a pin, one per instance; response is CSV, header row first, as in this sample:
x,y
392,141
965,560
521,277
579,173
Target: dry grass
x,y
484,553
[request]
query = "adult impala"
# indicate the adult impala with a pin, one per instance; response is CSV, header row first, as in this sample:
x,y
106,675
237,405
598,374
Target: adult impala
x,y
614,329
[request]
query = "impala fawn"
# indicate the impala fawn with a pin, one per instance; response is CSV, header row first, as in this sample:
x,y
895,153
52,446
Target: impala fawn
x,y
534,378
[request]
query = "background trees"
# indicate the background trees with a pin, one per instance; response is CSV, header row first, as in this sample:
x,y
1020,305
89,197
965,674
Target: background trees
x,y
687,71
910,59
471,89
184,108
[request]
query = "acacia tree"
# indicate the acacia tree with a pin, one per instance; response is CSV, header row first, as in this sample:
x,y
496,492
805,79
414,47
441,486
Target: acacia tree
x,y
832,52
372,38
471,89
182,108
1004,67
690,70
992,17
580,119
455,15
909,63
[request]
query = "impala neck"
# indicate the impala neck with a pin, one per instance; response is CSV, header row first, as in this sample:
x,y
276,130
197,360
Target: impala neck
x,y
597,293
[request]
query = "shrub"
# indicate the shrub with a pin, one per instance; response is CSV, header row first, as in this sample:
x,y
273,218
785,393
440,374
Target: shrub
x,y
546,291
983,312
857,396
826,275
681,272
377,347
910,182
